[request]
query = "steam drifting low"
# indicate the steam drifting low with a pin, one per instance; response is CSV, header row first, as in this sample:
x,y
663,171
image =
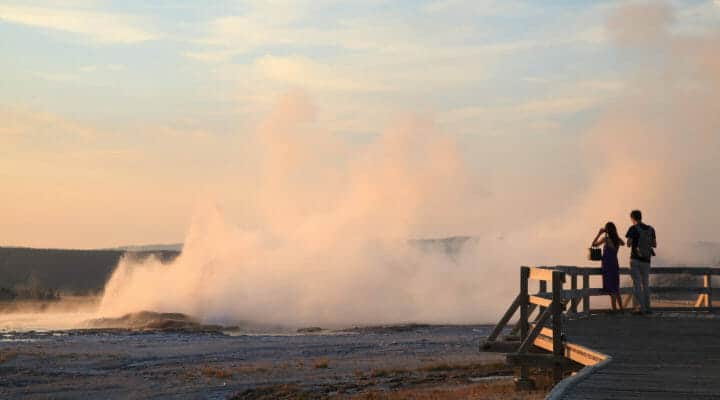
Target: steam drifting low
x,y
329,240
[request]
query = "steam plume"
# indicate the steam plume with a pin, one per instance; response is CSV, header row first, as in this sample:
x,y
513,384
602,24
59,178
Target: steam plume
x,y
329,239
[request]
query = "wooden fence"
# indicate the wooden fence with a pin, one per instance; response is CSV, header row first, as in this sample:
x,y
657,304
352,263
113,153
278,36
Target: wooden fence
x,y
541,314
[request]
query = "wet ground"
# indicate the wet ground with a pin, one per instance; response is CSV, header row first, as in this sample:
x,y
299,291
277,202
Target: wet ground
x,y
118,364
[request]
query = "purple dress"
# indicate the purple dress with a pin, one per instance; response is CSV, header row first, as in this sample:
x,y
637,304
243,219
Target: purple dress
x,y
610,269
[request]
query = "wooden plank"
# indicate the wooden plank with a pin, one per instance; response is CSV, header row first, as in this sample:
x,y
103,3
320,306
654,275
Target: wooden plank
x,y
583,355
685,270
683,309
575,270
541,301
579,270
573,351
579,293
677,289
671,309
540,274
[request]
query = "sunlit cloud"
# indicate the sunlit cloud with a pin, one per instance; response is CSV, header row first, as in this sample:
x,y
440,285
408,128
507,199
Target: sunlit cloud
x,y
302,71
480,7
533,115
98,26
499,69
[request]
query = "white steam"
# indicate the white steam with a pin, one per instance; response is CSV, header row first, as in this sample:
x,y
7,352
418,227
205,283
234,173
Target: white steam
x,y
332,246
327,240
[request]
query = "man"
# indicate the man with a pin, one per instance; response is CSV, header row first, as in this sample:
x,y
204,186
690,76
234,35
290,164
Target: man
x,y
642,242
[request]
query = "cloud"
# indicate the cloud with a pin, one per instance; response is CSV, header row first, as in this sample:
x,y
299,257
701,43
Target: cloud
x,y
302,71
641,24
211,56
86,75
265,26
480,7
98,26
37,129
106,67
534,115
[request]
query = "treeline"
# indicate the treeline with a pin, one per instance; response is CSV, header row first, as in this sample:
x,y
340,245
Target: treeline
x,y
39,294
46,274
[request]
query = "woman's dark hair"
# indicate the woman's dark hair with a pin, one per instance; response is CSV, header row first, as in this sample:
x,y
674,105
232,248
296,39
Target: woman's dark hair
x,y
612,234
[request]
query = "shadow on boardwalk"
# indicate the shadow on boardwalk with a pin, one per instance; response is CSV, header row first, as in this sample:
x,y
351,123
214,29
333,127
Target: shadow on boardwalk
x,y
663,356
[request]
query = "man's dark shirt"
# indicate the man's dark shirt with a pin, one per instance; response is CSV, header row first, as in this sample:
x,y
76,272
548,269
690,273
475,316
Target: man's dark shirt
x,y
633,236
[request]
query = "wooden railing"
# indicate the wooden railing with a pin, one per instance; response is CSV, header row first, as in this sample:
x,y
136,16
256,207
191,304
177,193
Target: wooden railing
x,y
545,329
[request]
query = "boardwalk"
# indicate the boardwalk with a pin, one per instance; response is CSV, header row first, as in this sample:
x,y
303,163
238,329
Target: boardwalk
x,y
657,357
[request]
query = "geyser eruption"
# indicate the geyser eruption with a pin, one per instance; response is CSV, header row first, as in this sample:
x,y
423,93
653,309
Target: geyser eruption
x,y
333,244
325,233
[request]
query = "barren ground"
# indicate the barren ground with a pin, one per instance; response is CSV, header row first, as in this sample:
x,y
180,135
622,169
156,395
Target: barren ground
x,y
424,362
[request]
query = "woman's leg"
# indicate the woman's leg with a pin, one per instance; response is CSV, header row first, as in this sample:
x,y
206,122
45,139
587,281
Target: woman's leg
x,y
619,301
612,302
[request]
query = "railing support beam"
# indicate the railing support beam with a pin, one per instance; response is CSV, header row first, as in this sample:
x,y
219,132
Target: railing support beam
x,y
523,382
586,294
503,322
573,286
557,309
708,286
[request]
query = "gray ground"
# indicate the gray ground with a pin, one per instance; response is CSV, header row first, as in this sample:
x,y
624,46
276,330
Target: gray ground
x,y
124,364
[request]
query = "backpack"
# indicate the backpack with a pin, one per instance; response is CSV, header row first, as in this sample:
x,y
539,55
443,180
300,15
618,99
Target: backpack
x,y
644,248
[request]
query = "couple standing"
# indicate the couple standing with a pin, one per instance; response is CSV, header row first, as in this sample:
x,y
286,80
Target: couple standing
x,y
642,242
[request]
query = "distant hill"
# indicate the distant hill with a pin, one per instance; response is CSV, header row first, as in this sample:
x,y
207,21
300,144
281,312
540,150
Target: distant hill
x,y
152,247
69,271
29,270
451,246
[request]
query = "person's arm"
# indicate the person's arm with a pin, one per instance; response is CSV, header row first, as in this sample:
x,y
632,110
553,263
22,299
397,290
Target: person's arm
x,y
598,241
654,238
629,236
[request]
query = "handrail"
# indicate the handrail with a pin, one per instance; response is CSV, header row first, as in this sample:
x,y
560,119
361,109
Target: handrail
x,y
546,330
571,270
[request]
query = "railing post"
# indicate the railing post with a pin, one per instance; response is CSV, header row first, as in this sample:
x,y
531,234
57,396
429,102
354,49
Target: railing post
x,y
524,301
542,290
708,286
573,287
557,305
523,382
586,293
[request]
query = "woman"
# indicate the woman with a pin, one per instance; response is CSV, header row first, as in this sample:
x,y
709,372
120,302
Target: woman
x,y
610,266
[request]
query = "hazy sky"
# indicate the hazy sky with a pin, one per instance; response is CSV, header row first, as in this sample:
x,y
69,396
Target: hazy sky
x,y
119,117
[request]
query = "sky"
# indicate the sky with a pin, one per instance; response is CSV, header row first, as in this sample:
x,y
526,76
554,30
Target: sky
x,y
120,117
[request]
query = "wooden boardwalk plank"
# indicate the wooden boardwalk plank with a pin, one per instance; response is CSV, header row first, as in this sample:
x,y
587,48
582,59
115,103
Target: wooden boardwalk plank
x,y
655,357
